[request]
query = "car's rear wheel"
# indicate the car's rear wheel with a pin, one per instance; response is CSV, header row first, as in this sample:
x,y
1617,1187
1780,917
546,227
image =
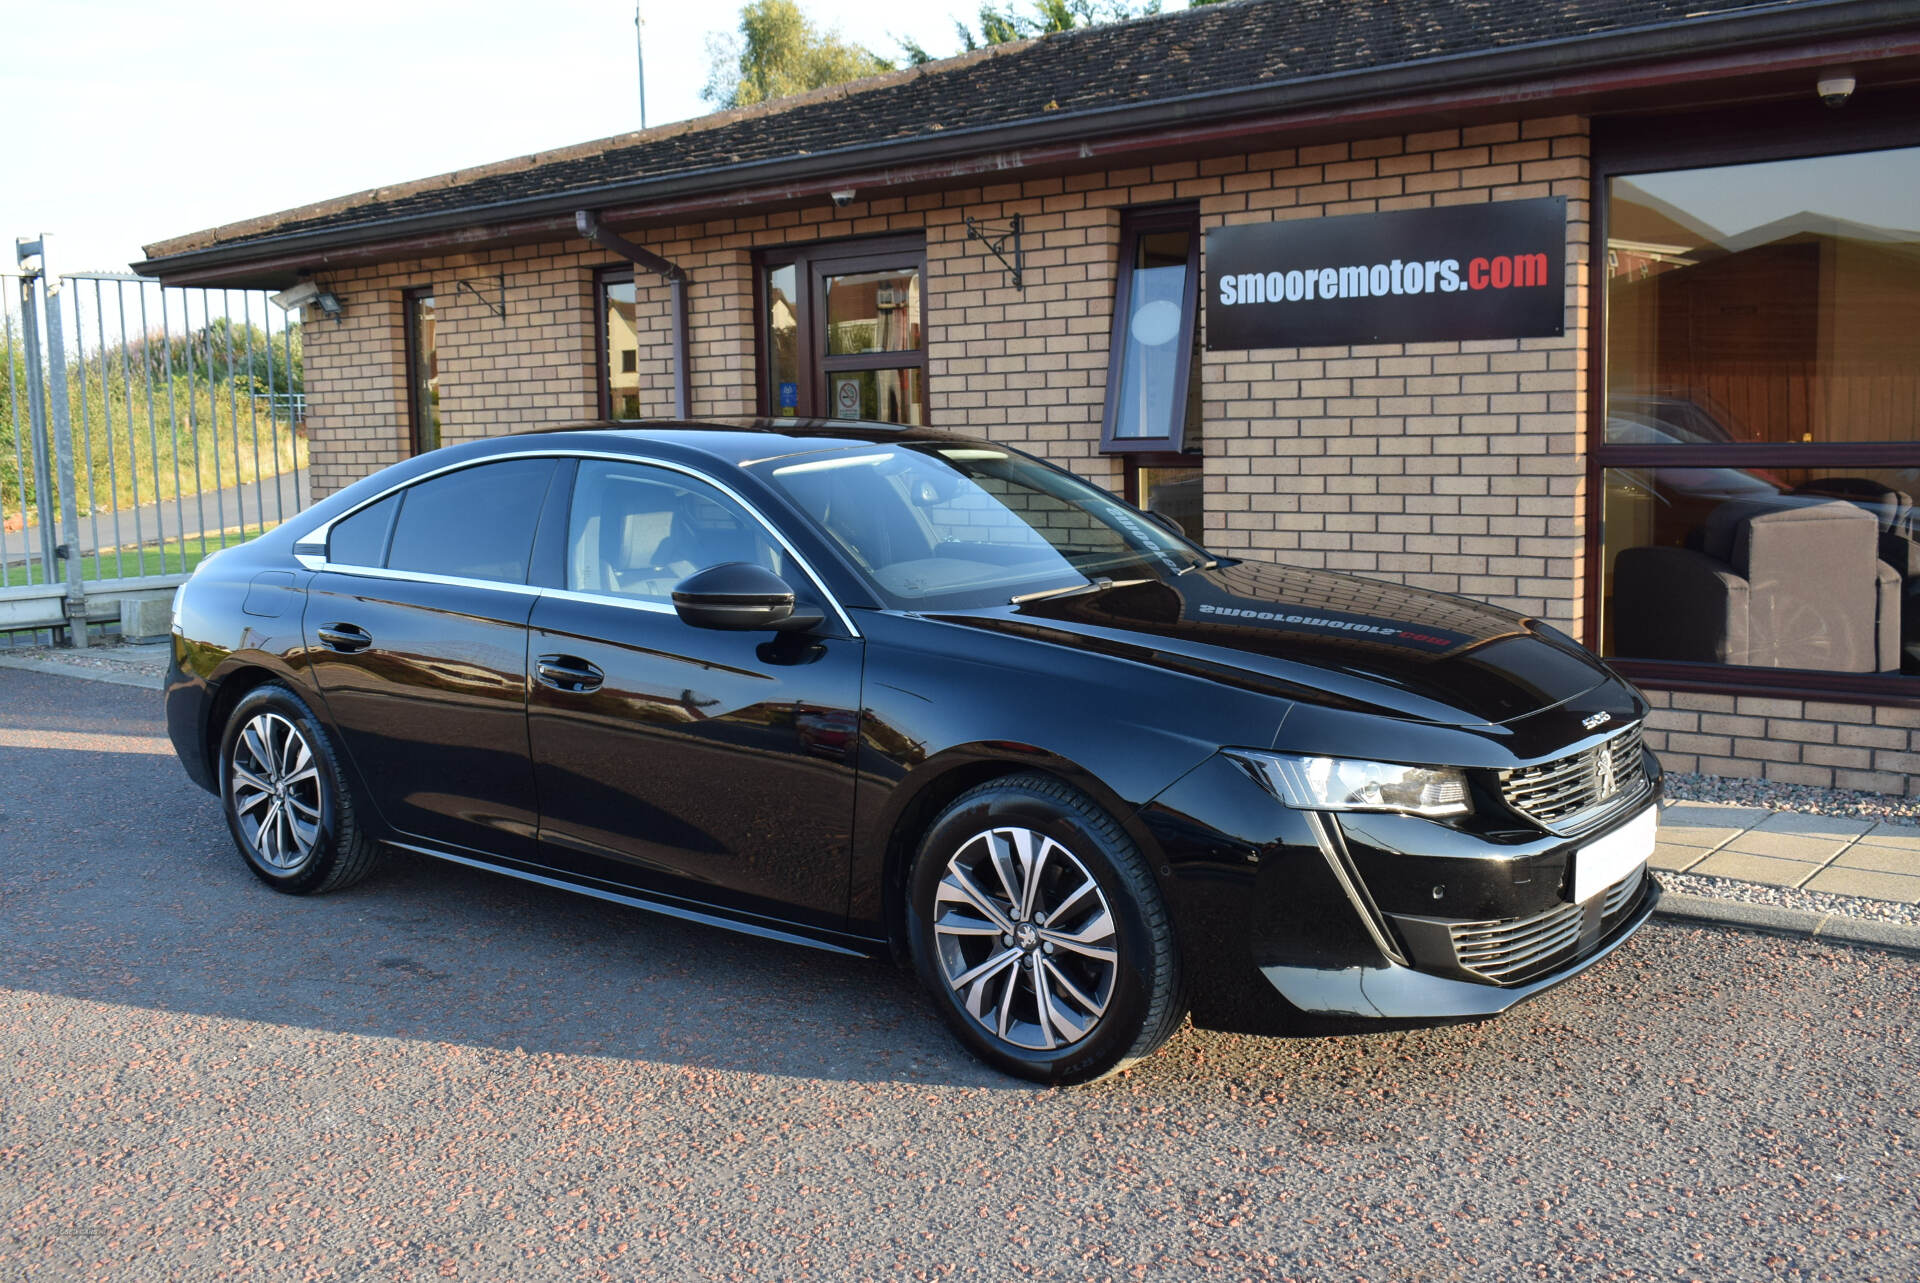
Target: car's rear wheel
x,y
1037,926
286,799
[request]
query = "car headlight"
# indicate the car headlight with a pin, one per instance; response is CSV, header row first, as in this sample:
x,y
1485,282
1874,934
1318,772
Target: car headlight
x,y
1344,784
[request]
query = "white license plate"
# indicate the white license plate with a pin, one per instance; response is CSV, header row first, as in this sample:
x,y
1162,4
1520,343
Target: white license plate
x,y
1601,864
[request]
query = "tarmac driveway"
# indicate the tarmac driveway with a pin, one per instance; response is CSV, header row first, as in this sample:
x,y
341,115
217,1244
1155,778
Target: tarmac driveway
x,y
442,1074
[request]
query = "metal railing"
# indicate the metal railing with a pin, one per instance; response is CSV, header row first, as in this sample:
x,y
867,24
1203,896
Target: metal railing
x,y
141,428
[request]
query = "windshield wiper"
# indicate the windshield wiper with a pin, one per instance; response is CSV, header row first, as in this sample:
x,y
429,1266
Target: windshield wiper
x,y
1210,563
1097,585
1069,591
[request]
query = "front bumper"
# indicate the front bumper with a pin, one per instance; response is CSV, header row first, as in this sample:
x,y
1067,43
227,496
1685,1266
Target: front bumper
x,y
1295,921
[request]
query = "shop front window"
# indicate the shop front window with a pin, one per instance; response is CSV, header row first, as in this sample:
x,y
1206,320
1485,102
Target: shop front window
x,y
841,332
1760,446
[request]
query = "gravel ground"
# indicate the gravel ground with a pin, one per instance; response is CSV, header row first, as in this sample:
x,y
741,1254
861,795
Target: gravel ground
x,y
116,656
1850,906
1776,796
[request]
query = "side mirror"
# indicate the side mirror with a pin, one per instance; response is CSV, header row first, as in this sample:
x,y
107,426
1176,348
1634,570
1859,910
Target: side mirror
x,y
740,597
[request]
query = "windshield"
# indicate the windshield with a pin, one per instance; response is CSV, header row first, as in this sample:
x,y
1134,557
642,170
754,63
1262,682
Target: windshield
x,y
942,527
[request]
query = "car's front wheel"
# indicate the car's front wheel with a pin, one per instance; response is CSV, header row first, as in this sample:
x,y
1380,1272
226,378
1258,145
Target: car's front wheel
x,y
286,799
1038,927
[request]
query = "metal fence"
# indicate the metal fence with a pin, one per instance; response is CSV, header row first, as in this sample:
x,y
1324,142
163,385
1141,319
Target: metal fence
x,y
141,429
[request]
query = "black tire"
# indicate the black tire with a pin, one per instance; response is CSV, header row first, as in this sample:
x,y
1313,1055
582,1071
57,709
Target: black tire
x,y
326,853
951,937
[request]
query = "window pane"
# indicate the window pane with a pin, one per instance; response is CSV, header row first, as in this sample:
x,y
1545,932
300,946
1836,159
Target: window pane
x,y
474,524
873,312
1775,303
1149,350
783,342
1176,493
619,303
879,396
424,379
637,531
1808,568
361,540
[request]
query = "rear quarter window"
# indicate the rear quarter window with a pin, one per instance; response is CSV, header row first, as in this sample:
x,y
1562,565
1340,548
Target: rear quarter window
x,y
361,540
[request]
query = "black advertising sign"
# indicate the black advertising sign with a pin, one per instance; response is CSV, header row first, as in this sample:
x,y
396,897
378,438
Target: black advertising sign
x,y
1493,271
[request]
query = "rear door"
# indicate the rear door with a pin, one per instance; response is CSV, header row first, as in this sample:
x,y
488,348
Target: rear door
x,y
417,629
707,765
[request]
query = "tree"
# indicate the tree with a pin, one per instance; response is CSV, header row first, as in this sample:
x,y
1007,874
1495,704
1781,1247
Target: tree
x,y
1002,25
779,51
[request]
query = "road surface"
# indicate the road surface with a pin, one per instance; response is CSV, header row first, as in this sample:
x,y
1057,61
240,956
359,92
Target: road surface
x,y
442,1074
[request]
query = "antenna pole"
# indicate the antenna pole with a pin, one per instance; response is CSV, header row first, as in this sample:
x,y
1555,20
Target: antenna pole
x,y
640,54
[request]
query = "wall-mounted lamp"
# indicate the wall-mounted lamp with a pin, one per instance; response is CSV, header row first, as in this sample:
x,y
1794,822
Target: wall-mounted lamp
x,y
307,292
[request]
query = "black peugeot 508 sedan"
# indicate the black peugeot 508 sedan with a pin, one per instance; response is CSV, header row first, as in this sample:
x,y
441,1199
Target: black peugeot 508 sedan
x,y
867,688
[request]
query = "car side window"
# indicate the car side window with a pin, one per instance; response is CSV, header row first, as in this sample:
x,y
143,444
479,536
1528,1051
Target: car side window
x,y
477,523
636,531
361,540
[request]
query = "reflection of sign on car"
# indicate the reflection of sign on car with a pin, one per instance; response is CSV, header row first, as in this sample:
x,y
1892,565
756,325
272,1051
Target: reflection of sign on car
x,y
1226,608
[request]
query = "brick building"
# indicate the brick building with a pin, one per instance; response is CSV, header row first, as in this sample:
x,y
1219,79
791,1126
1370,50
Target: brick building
x,y
1705,472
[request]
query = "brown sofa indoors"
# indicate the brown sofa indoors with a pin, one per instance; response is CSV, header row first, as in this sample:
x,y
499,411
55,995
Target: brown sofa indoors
x,y
1776,584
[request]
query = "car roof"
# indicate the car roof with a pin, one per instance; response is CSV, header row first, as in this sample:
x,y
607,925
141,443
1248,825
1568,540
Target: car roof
x,y
743,440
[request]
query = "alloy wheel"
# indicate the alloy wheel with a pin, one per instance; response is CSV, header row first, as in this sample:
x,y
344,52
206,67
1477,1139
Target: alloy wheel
x,y
274,787
1026,939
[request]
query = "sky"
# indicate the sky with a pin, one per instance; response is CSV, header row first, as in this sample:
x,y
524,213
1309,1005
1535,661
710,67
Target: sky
x,y
131,122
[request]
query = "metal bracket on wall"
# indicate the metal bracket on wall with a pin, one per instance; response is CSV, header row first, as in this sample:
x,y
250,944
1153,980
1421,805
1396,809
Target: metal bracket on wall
x,y
998,238
498,309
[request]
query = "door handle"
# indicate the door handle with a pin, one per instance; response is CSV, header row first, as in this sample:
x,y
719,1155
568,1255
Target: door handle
x,y
566,673
345,638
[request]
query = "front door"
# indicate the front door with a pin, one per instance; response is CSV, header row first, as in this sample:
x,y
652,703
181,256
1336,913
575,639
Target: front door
x,y
417,632
843,331
690,762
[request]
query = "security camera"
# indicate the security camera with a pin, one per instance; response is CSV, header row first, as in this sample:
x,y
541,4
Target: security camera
x,y
845,195
1835,90
296,296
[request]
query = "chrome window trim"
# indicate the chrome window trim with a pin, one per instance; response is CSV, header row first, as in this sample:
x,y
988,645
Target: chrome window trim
x,y
422,577
321,533
607,599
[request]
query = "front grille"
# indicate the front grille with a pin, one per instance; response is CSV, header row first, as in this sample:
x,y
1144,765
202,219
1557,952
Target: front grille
x,y
1515,949
1501,951
1569,791
1621,892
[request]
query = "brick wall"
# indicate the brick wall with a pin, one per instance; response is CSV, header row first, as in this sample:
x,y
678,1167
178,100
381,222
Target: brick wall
x,y
1796,741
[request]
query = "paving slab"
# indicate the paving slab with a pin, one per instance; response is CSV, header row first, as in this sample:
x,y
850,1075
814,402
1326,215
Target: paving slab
x,y
1756,868
1705,836
1820,826
1899,836
1867,882
1676,858
1787,846
1881,859
1713,815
